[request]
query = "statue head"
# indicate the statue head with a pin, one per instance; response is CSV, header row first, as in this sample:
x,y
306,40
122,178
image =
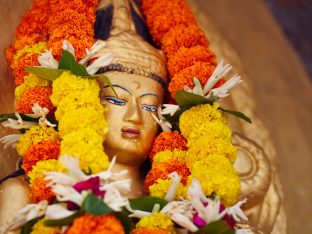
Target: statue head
x,y
138,75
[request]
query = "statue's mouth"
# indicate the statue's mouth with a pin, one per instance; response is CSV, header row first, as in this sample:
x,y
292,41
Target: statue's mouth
x,y
130,132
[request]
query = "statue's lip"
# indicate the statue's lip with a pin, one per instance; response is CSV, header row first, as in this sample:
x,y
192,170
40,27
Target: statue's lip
x,y
131,132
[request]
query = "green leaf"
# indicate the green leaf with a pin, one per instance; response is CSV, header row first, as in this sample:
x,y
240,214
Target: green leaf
x,y
68,62
27,228
95,206
104,79
218,227
125,220
146,203
61,222
45,73
237,114
187,100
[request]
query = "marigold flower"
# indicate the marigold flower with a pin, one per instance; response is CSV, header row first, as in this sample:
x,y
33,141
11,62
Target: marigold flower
x,y
40,228
41,95
167,141
201,70
164,156
161,187
30,81
68,83
34,49
157,220
149,230
217,176
35,135
183,36
30,40
18,68
162,170
85,135
9,52
197,115
43,150
186,57
101,224
41,167
39,190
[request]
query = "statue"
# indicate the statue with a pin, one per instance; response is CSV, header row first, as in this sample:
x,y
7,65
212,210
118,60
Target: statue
x,y
138,75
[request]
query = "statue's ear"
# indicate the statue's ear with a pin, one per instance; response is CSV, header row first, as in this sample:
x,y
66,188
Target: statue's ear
x,y
103,22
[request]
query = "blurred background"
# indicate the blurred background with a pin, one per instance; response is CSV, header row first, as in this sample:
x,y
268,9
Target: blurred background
x,y
270,43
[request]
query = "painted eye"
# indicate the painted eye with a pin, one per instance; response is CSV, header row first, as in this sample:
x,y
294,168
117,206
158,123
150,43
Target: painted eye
x,y
149,108
115,101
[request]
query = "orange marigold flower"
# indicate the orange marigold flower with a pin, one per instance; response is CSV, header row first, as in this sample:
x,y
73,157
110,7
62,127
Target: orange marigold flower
x,y
150,230
40,191
168,141
201,70
9,52
29,40
44,150
163,169
102,224
18,69
182,35
186,57
41,95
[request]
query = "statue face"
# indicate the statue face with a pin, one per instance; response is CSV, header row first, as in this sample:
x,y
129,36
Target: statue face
x,y
131,126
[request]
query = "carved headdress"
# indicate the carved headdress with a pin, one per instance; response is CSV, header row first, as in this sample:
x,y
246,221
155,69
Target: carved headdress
x,y
132,54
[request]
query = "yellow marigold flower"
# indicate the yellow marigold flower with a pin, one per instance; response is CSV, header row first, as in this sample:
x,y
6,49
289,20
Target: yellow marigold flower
x,y
164,156
198,115
41,167
78,99
207,147
217,176
212,130
33,136
157,220
85,135
38,48
30,81
40,228
68,83
161,187
91,157
83,118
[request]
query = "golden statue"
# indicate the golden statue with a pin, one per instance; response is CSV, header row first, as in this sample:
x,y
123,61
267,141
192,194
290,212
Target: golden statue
x,y
138,74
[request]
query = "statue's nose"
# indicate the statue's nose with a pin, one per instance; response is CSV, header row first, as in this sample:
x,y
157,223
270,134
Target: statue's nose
x,y
134,112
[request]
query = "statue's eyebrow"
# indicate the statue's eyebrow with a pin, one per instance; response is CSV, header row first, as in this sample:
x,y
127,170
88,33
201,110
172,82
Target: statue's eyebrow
x,y
145,94
119,86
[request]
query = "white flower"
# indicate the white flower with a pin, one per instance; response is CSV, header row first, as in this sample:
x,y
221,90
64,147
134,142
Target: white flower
x,y
220,71
236,212
66,193
10,140
170,109
197,88
59,178
120,185
115,200
161,121
18,124
41,113
57,211
93,50
72,164
175,180
184,222
47,60
29,212
102,61
68,47
223,91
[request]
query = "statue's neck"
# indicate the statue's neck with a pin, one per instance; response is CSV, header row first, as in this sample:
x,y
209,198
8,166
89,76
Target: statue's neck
x,y
136,176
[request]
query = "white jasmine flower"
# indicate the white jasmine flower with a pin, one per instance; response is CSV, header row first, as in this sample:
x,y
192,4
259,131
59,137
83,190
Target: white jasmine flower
x,y
120,185
236,212
72,164
59,178
93,50
184,222
175,178
57,211
29,212
41,113
161,121
220,71
105,175
197,88
223,91
47,60
10,140
66,193
170,109
68,47
18,124
102,61
115,200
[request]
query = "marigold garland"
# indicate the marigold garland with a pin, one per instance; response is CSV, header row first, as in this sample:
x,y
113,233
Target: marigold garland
x,y
167,141
157,220
102,224
39,190
40,228
164,156
18,69
38,48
